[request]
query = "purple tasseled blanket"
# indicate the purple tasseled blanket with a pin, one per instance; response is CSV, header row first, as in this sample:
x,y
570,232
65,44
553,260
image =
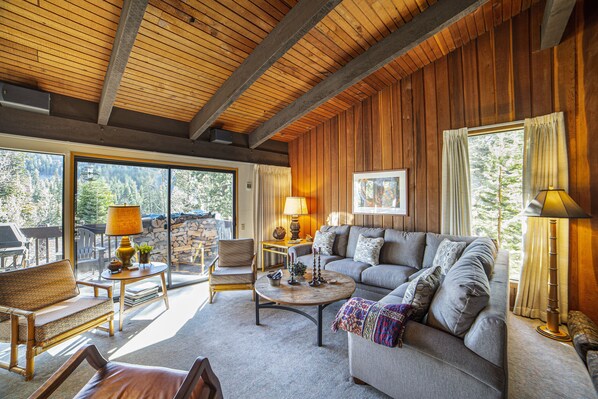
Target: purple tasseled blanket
x,y
383,324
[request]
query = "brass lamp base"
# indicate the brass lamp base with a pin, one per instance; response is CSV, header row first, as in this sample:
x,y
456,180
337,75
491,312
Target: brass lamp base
x,y
125,252
557,336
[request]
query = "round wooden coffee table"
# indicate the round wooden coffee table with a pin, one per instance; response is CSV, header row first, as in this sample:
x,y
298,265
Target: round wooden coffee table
x,y
286,295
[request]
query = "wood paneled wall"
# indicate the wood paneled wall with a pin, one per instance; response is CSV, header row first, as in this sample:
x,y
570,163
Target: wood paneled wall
x,y
501,76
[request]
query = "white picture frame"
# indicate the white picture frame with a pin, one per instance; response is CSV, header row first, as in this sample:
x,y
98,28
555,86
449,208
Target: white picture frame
x,y
380,193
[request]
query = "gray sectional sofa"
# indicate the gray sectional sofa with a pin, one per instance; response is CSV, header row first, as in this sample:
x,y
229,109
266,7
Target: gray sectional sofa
x,y
451,353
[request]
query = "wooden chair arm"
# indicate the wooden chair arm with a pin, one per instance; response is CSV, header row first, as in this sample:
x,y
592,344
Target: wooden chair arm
x,y
97,286
254,266
201,369
213,264
17,312
87,352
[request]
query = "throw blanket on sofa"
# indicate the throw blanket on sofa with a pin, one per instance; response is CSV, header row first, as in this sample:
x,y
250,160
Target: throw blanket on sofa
x,y
382,324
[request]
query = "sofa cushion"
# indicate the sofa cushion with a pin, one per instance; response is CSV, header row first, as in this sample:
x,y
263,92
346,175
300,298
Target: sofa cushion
x,y
387,276
403,248
368,250
485,249
61,317
308,260
420,292
592,362
354,237
348,267
340,241
447,254
323,242
584,333
36,287
433,240
464,292
232,275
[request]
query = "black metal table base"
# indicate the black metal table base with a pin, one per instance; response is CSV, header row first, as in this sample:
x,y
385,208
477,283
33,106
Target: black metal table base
x,y
273,305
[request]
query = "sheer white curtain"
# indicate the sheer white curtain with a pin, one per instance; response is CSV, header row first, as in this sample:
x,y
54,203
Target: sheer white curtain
x,y
456,186
272,186
545,164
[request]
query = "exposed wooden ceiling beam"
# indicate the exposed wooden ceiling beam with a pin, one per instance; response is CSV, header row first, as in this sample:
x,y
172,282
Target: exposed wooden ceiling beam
x,y
405,38
296,23
556,17
128,25
23,123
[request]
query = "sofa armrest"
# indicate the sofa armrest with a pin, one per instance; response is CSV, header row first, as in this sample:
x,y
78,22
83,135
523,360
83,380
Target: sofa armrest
x,y
15,311
301,249
97,286
212,265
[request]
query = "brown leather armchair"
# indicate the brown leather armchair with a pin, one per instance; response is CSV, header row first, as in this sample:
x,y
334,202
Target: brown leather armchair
x,y
121,380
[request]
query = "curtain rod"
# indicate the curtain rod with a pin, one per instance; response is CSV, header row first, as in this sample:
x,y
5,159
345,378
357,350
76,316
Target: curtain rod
x,y
495,128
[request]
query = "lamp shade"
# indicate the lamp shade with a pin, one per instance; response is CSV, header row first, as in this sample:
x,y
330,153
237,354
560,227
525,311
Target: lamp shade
x,y
124,220
295,206
554,204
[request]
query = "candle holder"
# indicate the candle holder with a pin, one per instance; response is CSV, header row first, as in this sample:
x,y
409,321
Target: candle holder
x,y
314,276
320,278
291,269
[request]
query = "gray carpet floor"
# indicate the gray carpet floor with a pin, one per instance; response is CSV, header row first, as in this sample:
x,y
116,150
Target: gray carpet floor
x,y
278,359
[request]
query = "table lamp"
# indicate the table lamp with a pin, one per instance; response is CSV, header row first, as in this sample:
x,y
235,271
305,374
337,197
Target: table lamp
x,y
124,220
295,206
553,204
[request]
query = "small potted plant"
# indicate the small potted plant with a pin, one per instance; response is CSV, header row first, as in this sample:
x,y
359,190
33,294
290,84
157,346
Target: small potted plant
x,y
299,269
144,251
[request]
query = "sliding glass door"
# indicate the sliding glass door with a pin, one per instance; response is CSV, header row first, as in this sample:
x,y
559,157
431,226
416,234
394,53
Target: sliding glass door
x,y
185,212
202,213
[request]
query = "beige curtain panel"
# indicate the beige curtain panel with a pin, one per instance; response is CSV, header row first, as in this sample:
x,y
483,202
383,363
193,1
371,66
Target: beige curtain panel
x,y
272,185
456,185
545,165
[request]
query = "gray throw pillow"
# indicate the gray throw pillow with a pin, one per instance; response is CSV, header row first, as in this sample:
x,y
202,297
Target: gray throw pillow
x,y
368,250
464,292
324,242
421,290
448,253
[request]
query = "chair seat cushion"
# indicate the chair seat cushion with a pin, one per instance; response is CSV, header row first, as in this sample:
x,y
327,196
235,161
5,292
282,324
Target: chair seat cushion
x,y
308,260
118,380
348,267
232,275
61,317
387,276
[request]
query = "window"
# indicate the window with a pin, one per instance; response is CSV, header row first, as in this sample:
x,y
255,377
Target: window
x,y
496,162
31,208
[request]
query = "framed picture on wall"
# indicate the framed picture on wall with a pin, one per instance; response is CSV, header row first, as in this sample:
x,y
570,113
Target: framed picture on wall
x,y
380,193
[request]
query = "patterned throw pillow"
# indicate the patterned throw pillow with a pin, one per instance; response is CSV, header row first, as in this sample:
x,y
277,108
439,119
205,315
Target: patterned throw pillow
x,y
447,254
381,323
421,290
324,241
368,250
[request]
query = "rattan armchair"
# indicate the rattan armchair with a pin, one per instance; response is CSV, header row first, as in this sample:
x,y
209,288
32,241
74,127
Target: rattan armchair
x,y
234,268
121,380
41,307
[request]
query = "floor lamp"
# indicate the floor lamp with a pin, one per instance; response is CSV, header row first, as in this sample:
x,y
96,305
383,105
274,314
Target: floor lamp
x,y
553,204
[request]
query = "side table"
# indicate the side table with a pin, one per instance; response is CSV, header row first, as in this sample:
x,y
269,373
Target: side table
x,y
280,247
131,276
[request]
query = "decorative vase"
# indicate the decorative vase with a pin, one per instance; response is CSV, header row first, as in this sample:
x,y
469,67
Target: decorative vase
x,y
114,266
279,233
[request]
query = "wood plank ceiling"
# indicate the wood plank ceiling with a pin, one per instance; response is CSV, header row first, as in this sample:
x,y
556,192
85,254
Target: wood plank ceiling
x,y
185,50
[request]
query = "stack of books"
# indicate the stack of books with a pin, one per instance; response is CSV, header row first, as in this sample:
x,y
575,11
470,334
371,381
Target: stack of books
x,y
138,294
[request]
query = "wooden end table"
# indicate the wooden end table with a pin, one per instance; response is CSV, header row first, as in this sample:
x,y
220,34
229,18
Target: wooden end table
x,y
131,276
280,247
286,295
